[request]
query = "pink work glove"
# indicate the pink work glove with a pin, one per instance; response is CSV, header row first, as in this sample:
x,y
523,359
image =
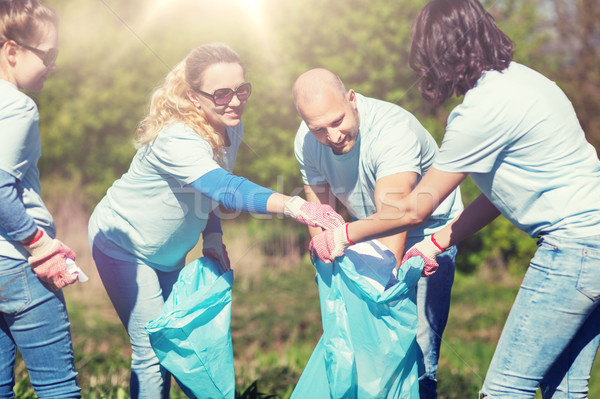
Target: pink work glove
x,y
213,248
428,250
312,214
330,244
48,260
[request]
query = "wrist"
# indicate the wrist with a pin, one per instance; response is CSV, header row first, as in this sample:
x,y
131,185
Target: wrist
x,y
340,237
40,245
434,241
291,207
348,240
32,239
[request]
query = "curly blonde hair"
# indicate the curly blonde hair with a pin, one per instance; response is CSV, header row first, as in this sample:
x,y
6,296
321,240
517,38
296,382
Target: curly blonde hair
x,y
170,102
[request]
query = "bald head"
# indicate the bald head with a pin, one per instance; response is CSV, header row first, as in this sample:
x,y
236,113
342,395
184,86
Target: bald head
x,y
329,110
312,85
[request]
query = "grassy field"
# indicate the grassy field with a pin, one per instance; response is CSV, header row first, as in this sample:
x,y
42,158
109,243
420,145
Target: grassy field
x,y
276,324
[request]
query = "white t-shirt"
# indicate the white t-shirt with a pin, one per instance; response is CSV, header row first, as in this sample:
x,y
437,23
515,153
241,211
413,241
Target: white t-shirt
x,y
390,140
517,135
151,213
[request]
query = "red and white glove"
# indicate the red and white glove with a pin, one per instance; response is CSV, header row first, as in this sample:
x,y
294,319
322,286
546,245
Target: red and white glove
x,y
48,260
428,250
330,244
213,248
312,214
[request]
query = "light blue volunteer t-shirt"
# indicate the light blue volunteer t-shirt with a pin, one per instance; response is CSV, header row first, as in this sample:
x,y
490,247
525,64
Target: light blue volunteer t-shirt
x,y
518,136
151,213
20,150
390,140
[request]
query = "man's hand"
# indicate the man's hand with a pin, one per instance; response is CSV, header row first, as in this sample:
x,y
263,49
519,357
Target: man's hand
x,y
428,250
330,244
213,248
48,260
312,214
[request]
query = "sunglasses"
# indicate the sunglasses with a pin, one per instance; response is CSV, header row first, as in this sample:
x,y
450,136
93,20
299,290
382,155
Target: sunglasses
x,y
48,57
224,96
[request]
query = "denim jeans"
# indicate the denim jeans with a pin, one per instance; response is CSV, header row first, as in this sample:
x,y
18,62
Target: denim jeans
x,y
552,333
34,320
433,305
138,293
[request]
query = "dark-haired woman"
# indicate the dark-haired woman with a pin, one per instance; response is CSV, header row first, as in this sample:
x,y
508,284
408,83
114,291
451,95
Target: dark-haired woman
x,y
516,134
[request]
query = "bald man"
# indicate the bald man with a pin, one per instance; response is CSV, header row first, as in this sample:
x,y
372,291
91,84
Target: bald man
x,y
368,153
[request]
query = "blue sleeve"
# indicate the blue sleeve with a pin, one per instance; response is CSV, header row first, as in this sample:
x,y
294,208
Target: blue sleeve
x,y
13,217
213,225
235,193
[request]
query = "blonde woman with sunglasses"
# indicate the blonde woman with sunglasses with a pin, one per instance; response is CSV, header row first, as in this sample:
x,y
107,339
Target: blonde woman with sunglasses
x,y
153,215
33,269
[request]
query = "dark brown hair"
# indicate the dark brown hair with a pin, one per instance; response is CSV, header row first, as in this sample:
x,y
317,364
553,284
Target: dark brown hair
x,y
454,42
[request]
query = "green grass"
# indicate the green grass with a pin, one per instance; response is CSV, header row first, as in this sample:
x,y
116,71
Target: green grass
x,y
275,326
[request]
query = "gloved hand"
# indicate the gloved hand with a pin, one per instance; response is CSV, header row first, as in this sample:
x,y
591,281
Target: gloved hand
x,y
48,260
330,244
312,214
428,250
213,248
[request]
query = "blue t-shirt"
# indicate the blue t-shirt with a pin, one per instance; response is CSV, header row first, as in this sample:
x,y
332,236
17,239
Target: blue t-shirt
x,y
390,140
151,213
517,135
20,150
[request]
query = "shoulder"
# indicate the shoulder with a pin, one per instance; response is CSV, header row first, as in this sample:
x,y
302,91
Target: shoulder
x,y
13,102
177,139
380,115
178,132
304,137
386,124
501,97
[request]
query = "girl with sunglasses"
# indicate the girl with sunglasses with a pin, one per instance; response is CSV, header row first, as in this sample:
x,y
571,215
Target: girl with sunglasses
x,y
33,315
153,215
516,134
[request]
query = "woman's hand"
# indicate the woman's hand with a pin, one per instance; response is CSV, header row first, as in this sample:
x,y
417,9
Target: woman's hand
x,y
312,214
428,250
48,260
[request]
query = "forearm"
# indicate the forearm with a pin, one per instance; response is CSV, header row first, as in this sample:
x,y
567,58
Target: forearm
x,y
13,217
236,193
476,216
409,212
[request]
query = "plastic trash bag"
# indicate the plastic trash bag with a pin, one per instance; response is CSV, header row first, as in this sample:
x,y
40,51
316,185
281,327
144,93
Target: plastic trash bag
x,y
369,347
192,337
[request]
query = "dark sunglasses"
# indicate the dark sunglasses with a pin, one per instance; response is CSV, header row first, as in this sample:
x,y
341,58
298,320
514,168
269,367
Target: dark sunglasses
x,y
224,96
48,56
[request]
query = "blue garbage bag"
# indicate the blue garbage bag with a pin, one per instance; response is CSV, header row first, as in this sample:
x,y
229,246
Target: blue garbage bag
x,y
368,348
192,337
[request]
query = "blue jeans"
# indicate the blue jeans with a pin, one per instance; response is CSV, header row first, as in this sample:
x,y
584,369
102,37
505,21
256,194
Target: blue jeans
x,y
552,333
433,305
34,320
138,293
